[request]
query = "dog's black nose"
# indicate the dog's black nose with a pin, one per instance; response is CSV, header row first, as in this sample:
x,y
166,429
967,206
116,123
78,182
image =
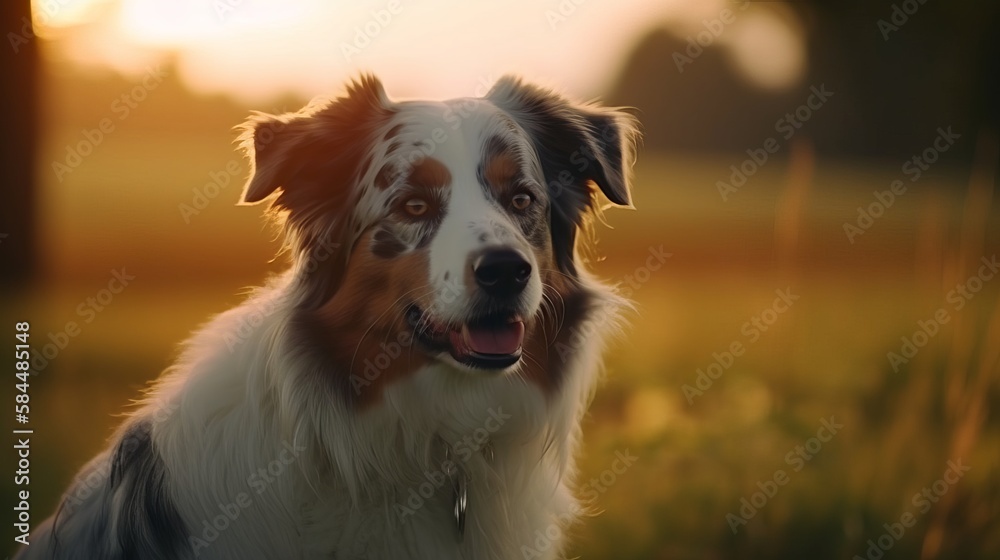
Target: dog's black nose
x,y
502,272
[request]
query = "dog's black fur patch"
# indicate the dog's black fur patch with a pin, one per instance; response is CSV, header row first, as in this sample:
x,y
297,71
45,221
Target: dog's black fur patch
x,y
575,146
386,245
127,515
149,524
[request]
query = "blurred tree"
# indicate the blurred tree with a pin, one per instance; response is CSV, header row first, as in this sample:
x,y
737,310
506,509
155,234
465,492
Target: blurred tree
x,y
18,120
897,77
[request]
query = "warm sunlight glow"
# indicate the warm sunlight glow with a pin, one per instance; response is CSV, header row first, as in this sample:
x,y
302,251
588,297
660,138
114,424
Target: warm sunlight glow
x,y
48,16
260,49
764,41
186,22
767,50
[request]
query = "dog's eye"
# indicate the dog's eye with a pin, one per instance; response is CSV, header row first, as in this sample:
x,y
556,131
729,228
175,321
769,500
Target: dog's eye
x,y
521,201
416,207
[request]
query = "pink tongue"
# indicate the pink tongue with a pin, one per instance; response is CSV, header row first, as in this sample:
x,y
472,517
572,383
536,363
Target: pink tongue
x,y
505,339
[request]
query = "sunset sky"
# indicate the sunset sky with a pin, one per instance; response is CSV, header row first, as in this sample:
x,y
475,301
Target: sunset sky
x,y
257,49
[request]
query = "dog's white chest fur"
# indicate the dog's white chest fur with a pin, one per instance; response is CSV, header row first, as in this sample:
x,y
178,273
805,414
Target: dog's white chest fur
x,y
387,488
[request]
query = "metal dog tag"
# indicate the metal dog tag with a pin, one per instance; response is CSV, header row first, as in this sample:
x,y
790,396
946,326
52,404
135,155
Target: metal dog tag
x,y
460,494
459,491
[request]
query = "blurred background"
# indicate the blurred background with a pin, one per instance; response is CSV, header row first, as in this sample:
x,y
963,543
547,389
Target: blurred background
x,y
812,370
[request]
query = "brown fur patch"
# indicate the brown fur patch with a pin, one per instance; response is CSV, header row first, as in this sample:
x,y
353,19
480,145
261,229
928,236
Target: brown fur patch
x,y
501,169
367,343
429,173
553,336
363,327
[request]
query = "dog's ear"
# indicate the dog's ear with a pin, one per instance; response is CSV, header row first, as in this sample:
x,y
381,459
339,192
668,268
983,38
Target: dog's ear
x,y
313,159
312,155
270,161
578,146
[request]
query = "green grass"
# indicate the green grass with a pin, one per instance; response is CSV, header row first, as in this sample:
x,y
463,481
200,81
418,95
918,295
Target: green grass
x,y
825,356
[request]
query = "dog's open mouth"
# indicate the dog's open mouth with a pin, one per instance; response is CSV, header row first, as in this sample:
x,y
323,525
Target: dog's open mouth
x,y
491,342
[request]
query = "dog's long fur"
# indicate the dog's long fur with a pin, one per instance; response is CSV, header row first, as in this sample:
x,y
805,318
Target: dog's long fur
x,y
313,421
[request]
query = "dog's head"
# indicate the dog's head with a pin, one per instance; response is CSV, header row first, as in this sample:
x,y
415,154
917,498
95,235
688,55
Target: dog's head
x,y
437,231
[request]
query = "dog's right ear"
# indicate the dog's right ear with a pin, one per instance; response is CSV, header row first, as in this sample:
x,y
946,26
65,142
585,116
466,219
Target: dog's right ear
x,y
309,156
267,142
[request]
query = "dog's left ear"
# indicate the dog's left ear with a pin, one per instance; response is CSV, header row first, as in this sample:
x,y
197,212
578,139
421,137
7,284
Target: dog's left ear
x,y
577,145
312,156
311,161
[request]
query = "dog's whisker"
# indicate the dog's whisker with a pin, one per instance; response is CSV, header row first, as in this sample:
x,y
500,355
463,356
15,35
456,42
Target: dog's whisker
x,y
389,309
559,314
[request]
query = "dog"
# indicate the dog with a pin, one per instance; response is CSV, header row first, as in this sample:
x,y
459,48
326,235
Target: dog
x,y
413,385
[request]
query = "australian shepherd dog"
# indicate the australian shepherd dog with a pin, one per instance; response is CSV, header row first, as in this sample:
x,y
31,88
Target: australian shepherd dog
x,y
413,386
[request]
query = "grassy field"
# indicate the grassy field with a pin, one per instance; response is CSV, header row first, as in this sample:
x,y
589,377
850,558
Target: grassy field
x,y
818,379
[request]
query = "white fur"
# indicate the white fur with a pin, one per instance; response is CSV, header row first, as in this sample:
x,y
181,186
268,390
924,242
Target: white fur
x,y
250,440
234,410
